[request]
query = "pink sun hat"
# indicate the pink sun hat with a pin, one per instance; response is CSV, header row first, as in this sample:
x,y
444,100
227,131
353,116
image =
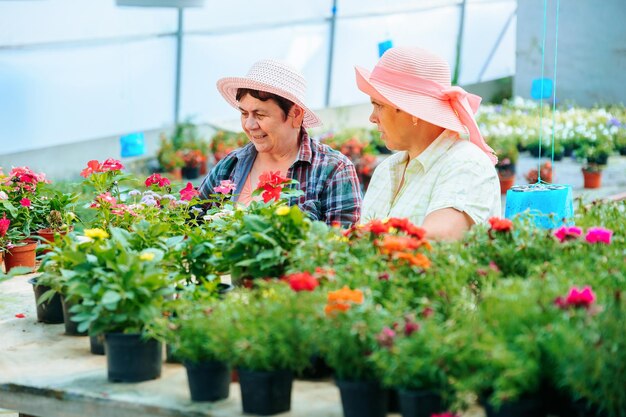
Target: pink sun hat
x,y
418,82
274,77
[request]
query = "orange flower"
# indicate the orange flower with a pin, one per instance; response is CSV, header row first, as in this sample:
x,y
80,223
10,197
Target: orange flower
x,y
392,244
501,225
340,300
418,259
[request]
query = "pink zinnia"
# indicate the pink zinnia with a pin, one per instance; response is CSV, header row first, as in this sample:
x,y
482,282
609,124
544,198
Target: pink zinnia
x,y
225,187
599,234
568,233
25,202
187,193
580,298
385,337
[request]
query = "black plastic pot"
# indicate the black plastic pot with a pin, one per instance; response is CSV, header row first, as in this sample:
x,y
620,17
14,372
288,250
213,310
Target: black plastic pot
x,y
523,407
191,173
51,311
208,381
132,359
420,403
265,392
71,327
393,401
96,344
318,369
170,357
363,398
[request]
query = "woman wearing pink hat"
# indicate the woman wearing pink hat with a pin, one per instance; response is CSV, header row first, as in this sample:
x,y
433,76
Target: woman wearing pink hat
x,y
274,117
443,178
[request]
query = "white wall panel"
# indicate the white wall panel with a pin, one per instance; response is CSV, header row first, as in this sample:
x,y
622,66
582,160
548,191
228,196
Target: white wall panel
x,y
357,44
208,58
64,95
26,22
246,14
484,23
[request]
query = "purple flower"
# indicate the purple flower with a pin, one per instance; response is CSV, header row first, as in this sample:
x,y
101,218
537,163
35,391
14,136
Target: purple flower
x,y
614,122
148,200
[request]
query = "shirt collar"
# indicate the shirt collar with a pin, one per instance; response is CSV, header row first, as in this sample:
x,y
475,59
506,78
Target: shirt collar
x,y
436,149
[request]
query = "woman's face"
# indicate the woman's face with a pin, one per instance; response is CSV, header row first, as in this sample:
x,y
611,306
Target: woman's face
x,y
266,126
395,126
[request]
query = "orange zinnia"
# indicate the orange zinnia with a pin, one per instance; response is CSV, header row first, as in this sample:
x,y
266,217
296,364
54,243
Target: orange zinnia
x,y
417,259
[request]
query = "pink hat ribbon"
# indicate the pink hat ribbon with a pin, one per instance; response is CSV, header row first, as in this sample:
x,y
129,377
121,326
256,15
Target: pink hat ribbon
x,y
462,102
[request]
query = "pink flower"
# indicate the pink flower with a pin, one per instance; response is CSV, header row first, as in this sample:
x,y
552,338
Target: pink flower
x,y
187,193
385,337
580,298
225,187
158,180
4,225
598,234
25,202
427,312
568,233
20,315
107,198
444,415
111,165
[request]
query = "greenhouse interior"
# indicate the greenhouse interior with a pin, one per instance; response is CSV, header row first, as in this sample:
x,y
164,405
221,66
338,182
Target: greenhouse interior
x,y
357,208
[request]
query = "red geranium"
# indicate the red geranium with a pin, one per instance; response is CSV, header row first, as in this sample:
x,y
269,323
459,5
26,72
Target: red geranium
x,y
500,225
4,225
302,281
187,193
94,166
158,180
272,184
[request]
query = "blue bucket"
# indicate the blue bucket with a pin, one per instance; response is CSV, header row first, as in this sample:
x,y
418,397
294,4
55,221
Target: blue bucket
x,y
550,205
132,144
383,46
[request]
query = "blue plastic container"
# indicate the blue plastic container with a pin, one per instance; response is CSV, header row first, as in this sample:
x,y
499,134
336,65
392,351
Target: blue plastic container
x,y
383,46
551,205
132,144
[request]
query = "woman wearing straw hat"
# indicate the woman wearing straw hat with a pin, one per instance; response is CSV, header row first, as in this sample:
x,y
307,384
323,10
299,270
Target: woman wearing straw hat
x,y
274,117
443,178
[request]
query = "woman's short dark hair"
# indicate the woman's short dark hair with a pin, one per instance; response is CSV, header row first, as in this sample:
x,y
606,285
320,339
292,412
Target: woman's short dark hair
x,y
284,104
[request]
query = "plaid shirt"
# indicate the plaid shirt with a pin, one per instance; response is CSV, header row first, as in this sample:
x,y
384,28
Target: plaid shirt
x,y
328,179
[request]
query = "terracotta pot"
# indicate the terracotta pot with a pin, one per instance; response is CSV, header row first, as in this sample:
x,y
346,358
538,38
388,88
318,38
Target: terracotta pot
x,y
506,183
176,174
48,236
20,256
592,179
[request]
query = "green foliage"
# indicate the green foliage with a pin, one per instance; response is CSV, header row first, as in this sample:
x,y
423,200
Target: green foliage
x,y
257,242
272,327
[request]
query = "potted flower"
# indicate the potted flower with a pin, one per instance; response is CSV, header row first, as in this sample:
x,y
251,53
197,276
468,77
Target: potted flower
x,y
417,358
271,332
193,160
224,142
348,336
545,169
594,155
506,149
170,160
120,292
198,335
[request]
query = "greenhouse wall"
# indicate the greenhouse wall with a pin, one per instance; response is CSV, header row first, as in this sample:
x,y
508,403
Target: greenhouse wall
x,y
591,56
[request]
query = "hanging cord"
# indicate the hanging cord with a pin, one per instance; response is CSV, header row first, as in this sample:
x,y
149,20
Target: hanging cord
x,y
543,60
556,49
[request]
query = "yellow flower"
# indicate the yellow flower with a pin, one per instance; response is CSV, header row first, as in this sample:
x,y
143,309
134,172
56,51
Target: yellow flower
x,y
146,256
283,211
96,233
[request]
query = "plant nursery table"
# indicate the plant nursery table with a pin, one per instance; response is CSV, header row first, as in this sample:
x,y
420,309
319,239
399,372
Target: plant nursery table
x,y
47,374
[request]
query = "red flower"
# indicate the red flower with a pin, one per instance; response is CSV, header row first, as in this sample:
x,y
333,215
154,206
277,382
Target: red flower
x,y
443,415
25,202
4,225
20,315
410,327
111,165
427,312
272,184
501,225
158,180
92,166
187,193
302,281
